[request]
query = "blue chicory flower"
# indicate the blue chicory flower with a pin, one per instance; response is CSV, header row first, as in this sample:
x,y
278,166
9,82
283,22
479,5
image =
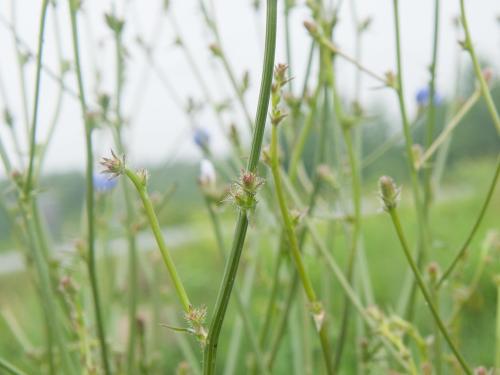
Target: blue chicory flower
x,y
201,137
103,184
423,94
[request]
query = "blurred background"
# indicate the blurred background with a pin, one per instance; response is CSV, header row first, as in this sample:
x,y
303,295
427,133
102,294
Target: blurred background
x,y
170,125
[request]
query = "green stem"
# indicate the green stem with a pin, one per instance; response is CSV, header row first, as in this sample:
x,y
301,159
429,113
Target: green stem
x,y
242,224
438,360
155,227
242,309
447,131
90,196
32,149
421,284
10,368
294,246
474,229
468,45
129,214
497,339
431,119
422,239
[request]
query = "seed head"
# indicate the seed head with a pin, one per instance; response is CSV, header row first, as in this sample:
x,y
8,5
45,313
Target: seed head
x,y
389,192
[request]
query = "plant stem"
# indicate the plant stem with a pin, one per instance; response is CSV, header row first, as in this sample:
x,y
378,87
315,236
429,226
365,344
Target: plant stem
x,y
421,284
431,119
469,46
155,227
294,247
474,229
90,199
242,309
447,131
422,235
129,212
28,183
10,368
497,338
232,263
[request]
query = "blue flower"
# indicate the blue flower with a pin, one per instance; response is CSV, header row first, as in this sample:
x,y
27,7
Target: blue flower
x,y
423,94
103,184
201,137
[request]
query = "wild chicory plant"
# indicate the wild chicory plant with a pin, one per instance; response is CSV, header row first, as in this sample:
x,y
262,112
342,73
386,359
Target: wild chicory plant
x,y
389,194
195,316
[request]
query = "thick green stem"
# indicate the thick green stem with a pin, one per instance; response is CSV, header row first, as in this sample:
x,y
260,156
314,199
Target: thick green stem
x,y
90,199
242,309
242,223
421,284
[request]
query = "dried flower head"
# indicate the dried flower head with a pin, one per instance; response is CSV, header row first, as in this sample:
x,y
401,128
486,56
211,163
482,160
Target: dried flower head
x,y
195,318
242,193
113,166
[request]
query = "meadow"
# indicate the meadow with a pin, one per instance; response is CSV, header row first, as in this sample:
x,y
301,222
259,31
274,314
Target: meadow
x,y
330,236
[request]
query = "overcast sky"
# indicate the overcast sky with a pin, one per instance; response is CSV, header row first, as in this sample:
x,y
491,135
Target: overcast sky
x,y
159,129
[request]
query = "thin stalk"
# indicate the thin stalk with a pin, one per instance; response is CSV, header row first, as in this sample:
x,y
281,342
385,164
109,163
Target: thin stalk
x,y
422,235
497,335
129,212
242,224
438,356
34,123
474,229
335,50
312,200
356,198
421,284
156,229
9,368
447,131
336,270
48,299
469,46
20,66
294,248
431,116
90,196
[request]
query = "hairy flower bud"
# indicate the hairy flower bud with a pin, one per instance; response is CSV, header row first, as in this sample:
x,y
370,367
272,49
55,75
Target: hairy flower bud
x,y
389,192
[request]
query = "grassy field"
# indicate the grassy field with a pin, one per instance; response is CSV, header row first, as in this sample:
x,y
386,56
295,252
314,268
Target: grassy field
x,y
456,209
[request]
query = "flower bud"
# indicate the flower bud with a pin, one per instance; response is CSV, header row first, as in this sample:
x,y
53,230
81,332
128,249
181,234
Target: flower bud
x,y
389,192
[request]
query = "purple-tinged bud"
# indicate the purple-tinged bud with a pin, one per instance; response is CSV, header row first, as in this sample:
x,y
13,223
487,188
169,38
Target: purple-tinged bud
x,y
216,50
481,371
389,192
488,74
433,271
311,28
114,166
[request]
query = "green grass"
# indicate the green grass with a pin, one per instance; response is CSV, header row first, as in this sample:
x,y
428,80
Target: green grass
x,y
452,217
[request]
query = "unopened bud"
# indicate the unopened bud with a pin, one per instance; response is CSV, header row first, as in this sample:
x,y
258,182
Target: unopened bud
x,y
389,192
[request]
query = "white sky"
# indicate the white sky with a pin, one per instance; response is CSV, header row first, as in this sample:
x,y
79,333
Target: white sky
x,y
160,129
